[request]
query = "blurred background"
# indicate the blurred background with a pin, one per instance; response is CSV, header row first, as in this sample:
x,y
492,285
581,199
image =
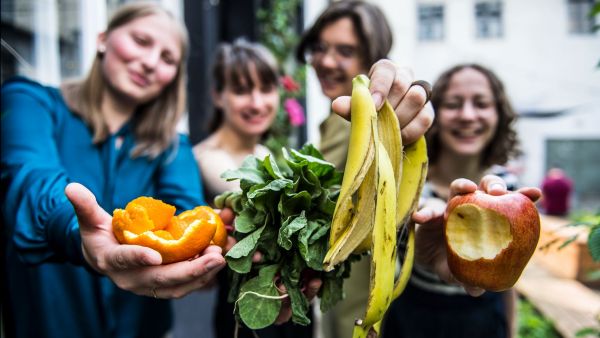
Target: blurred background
x,y
547,52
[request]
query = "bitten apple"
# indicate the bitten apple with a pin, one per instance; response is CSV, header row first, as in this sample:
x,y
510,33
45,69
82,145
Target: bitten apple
x,y
490,239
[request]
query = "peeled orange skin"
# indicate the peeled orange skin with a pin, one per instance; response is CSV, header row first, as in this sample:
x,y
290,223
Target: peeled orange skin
x,y
502,270
152,223
220,237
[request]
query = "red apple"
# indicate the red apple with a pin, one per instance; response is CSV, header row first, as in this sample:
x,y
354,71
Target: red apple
x,y
490,239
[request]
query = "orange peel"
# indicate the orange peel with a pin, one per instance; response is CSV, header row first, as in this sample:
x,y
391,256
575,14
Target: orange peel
x,y
152,223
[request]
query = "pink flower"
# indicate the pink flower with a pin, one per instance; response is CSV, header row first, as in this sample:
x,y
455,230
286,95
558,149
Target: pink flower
x,y
295,112
289,84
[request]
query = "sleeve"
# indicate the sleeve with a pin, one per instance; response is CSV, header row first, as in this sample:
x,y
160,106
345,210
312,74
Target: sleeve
x,y
179,180
40,222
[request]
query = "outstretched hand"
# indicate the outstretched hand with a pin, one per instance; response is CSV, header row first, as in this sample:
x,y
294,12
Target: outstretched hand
x,y
409,99
136,268
430,249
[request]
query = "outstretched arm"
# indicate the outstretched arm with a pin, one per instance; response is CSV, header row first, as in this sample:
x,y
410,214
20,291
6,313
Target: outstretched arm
x,y
430,249
135,268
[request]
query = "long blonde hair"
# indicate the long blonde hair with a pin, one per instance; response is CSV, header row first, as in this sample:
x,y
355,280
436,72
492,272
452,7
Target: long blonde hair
x,y
154,122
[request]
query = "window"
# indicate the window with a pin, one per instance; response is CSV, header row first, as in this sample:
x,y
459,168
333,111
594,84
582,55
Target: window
x,y
431,22
488,19
580,21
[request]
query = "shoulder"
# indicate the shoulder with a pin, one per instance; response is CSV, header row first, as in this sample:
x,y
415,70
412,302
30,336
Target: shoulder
x,y
19,86
261,151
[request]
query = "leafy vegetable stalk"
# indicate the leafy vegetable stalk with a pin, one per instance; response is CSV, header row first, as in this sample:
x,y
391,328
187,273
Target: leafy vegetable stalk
x,y
283,212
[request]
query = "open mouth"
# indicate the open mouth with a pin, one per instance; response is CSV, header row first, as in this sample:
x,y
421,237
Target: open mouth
x,y
467,134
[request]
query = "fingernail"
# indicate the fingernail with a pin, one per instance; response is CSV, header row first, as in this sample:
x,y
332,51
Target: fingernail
x,y
497,187
377,99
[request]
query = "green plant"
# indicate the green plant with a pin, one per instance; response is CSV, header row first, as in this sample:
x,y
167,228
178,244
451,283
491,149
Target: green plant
x,y
532,324
278,32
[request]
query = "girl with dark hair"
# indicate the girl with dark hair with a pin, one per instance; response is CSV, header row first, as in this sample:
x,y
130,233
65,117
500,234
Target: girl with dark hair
x,y
471,137
245,92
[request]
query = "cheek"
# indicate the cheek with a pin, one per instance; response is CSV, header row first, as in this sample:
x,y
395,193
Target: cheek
x,y
124,49
165,74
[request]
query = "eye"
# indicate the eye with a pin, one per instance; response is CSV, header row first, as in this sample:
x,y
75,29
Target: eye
x,y
484,104
168,58
267,89
451,104
319,48
141,40
346,51
241,90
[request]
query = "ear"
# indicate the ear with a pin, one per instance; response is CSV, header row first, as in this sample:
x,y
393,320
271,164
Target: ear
x,y
217,98
101,43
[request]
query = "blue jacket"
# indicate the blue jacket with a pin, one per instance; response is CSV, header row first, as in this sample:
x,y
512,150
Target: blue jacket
x,y
48,290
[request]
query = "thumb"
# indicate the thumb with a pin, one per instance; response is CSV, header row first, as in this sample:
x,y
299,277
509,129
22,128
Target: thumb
x,y
89,213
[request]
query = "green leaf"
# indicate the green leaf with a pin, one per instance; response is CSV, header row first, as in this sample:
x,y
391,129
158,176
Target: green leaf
x,y
288,228
594,243
273,186
246,175
245,246
272,167
331,292
317,166
259,302
294,204
248,220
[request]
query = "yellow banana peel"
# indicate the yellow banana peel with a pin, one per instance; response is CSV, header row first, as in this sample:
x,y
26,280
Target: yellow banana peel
x,y
380,190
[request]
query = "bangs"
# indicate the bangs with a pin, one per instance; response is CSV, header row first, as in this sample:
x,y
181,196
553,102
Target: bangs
x,y
239,71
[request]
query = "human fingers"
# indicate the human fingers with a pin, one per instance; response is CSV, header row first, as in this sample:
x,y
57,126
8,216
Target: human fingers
x,y
227,215
204,267
462,186
412,103
129,257
474,291
312,288
285,312
432,211
416,127
389,81
532,193
493,185
89,213
372,333
341,106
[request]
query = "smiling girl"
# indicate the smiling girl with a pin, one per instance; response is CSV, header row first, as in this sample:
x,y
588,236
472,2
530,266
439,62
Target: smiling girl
x,y
115,132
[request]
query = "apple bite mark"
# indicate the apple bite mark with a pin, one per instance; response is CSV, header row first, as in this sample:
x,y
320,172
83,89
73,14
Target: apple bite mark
x,y
474,232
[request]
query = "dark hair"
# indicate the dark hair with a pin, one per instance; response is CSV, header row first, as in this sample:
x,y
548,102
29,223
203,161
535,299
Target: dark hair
x,y
370,26
504,144
231,67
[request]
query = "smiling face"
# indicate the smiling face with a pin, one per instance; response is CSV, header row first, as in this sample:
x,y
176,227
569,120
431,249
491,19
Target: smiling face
x,y
336,58
141,57
248,108
467,115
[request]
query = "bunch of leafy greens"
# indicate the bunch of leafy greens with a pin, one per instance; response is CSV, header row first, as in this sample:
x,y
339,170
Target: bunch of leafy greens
x,y
284,212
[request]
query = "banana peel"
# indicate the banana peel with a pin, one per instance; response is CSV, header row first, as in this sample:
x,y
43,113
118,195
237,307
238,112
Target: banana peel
x,y
380,190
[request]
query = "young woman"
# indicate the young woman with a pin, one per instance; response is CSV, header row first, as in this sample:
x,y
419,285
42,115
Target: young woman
x,y
114,132
471,137
245,80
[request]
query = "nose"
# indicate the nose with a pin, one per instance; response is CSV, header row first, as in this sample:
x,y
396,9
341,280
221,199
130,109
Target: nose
x,y
328,59
258,101
151,58
468,111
